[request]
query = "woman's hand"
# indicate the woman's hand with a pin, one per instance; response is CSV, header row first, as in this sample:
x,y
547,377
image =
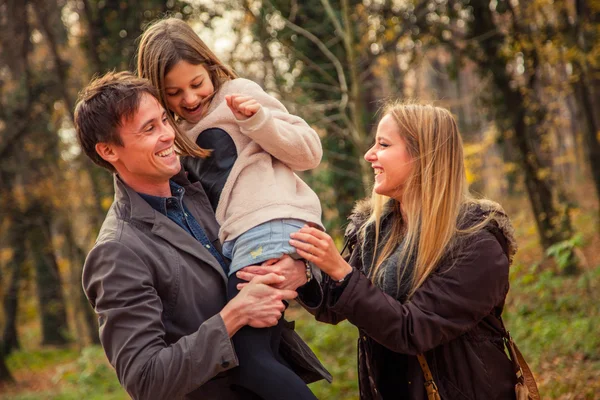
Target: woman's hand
x,y
318,247
243,107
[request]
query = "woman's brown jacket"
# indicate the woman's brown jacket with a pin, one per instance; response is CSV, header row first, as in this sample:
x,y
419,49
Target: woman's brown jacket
x,y
453,318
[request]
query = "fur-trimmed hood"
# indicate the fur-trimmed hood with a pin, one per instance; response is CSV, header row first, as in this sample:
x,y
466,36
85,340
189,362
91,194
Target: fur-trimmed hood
x,y
477,211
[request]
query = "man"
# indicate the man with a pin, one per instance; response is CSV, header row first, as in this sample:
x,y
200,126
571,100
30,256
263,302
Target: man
x,y
155,276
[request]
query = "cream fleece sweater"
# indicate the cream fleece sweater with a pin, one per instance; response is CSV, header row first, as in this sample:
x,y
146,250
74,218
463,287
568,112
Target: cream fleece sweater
x,y
271,145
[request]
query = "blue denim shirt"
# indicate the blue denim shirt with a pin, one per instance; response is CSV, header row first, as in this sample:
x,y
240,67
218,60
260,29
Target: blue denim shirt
x,y
174,208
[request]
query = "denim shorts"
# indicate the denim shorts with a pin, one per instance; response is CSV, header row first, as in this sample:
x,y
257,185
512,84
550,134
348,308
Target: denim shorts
x,y
261,243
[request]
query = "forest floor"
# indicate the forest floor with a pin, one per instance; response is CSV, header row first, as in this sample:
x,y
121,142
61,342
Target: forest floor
x,y
553,318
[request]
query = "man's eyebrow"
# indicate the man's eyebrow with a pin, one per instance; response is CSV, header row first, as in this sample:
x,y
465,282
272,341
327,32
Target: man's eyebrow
x,y
151,120
146,123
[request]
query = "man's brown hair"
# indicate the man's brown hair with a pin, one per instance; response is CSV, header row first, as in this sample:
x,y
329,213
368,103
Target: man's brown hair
x,y
105,103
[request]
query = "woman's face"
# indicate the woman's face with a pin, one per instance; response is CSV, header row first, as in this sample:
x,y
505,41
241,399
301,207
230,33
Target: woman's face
x,y
186,85
389,159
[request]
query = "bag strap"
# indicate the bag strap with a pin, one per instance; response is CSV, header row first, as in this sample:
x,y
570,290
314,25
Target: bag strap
x,y
430,386
512,352
522,370
524,375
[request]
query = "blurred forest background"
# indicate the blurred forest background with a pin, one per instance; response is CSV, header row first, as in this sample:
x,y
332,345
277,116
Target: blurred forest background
x,y
521,76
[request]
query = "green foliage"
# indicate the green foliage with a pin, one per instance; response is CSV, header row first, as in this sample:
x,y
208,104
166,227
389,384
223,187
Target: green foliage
x,y
85,375
91,376
39,359
336,348
554,320
562,252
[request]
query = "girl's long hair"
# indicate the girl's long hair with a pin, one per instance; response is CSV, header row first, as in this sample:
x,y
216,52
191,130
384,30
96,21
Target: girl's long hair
x,y
427,215
162,45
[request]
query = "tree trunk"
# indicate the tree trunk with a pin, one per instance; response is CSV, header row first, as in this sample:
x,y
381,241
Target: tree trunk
x,y
61,69
551,216
86,14
583,38
82,306
89,316
590,133
10,338
49,288
5,375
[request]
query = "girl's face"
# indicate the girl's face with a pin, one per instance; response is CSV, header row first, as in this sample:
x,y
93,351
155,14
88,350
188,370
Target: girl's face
x,y
389,159
186,85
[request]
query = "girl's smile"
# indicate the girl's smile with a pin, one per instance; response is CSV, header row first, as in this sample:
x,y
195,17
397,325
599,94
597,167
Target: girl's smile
x,y
186,87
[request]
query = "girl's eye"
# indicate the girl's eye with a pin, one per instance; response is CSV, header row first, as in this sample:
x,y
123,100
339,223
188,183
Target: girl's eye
x,y
384,145
165,120
196,85
150,128
172,94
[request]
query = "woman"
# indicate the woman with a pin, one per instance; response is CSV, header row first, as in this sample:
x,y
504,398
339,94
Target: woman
x,y
427,271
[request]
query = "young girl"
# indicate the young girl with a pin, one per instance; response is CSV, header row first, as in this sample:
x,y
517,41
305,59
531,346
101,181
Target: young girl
x,y
258,198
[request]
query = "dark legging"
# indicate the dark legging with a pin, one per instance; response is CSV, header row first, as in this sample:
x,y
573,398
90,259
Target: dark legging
x,y
261,369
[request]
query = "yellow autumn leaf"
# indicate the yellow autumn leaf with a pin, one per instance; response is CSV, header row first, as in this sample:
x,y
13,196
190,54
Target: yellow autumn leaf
x,y
6,255
106,202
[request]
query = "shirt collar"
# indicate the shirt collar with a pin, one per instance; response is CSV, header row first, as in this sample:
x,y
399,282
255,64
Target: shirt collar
x,y
160,203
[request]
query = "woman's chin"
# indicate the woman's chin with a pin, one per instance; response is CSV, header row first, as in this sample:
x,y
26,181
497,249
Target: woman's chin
x,y
380,191
393,194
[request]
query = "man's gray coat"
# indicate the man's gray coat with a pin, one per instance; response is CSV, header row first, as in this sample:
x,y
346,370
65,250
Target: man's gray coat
x,y
158,293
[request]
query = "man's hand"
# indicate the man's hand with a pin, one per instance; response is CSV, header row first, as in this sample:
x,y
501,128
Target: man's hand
x,y
258,304
294,272
243,107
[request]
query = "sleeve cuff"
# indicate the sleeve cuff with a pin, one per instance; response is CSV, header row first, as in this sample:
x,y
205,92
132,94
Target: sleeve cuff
x,y
310,295
340,294
253,125
216,338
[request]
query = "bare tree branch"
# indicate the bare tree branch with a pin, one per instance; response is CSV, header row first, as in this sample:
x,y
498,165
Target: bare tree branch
x,y
339,30
335,61
314,65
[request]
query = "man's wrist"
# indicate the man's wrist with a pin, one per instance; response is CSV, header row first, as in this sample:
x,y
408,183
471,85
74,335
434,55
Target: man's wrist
x,y
233,319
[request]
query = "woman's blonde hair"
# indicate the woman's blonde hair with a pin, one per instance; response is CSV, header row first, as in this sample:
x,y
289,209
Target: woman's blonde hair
x,y
428,213
163,44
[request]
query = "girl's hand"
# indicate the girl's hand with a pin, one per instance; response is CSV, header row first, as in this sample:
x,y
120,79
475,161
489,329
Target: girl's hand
x,y
318,247
243,107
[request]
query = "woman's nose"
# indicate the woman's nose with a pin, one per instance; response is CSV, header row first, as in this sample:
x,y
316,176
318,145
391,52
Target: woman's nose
x,y
370,155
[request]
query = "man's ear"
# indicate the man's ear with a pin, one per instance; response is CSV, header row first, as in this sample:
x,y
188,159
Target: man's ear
x,y
107,152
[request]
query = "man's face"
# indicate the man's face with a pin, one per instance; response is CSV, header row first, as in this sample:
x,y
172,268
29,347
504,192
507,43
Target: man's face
x,y
147,159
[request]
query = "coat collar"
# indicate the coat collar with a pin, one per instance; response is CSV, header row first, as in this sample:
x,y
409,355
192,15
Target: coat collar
x,y
475,210
135,208
138,208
